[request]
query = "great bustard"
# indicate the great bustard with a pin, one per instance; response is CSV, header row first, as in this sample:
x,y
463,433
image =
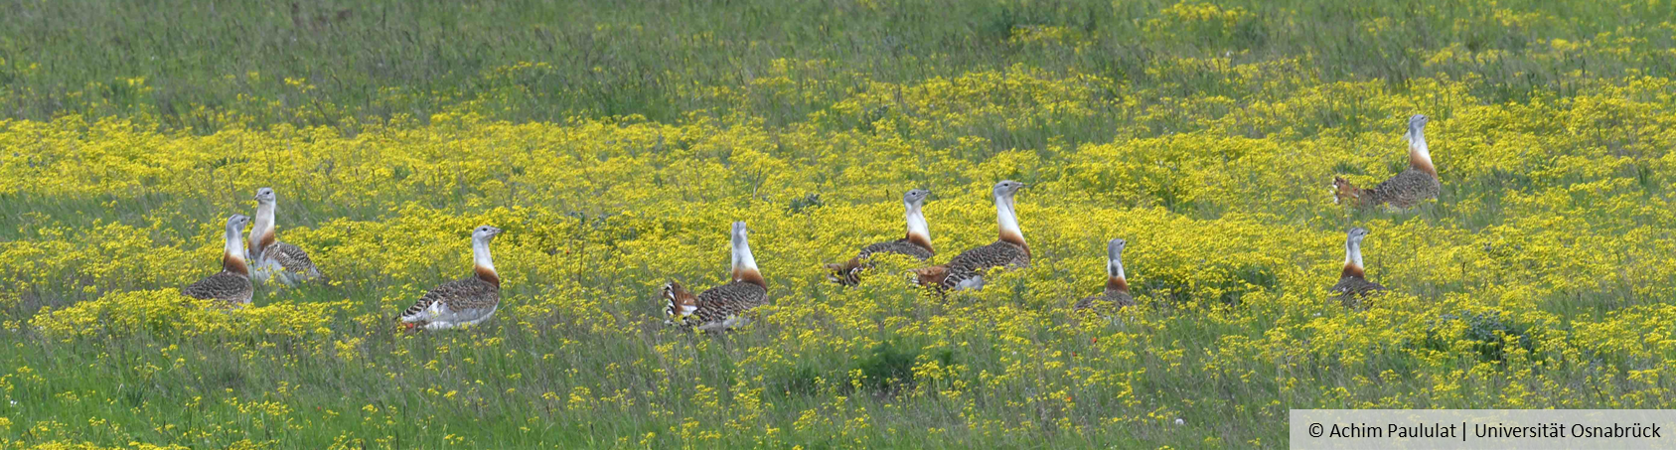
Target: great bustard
x,y
721,307
466,301
1405,190
232,285
1353,285
276,260
917,244
1117,285
967,269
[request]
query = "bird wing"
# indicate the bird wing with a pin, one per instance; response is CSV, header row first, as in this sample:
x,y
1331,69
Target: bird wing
x,y
224,286
292,259
849,273
454,298
1087,302
973,263
1351,289
732,299
1406,189
998,254
899,246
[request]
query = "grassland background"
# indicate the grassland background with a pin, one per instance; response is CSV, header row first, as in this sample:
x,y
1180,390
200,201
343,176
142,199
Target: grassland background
x,y
615,141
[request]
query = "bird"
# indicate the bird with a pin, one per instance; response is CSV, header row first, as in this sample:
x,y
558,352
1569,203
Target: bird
x,y
966,270
466,301
1117,286
231,286
282,262
1352,285
721,307
1405,190
917,244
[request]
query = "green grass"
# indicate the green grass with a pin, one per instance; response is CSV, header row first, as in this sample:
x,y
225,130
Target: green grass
x,y
208,66
370,61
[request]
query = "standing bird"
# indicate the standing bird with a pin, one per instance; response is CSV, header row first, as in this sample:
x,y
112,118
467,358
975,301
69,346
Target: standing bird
x,y
917,244
280,261
966,270
1352,287
721,307
232,285
1407,189
1117,286
466,301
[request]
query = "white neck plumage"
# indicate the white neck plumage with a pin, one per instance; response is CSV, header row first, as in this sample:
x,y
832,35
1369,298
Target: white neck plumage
x,y
1114,265
1353,253
1006,218
262,225
480,253
233,256
742,259
235,243
1417,151
916,223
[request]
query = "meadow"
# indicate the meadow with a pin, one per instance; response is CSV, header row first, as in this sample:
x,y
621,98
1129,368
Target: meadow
x,y
615,142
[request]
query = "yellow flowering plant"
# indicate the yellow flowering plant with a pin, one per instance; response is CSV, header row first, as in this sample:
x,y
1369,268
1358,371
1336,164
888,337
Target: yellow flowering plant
x,y
1540,278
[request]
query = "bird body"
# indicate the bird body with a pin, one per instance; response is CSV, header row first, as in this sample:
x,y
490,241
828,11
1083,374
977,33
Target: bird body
x,y
1117,284
966,270
1405,190
1353,285
275,260
232,285
721,307
917,244
466,301
462,302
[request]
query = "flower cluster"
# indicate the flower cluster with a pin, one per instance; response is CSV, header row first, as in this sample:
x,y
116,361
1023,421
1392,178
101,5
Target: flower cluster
x,y
1540,278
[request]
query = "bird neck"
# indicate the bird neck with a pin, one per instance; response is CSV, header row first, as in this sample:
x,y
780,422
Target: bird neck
x,y
1115,279
1352,260
745,265
483,264
1419,156
232,255
1007,220
262,230
919,233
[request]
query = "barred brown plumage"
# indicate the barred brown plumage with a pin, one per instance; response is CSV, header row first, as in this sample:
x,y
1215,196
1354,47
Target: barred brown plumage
x,y
966,270
229,288
713,306
292,259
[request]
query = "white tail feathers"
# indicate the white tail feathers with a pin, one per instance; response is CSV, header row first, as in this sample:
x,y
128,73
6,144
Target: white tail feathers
x,y
677,302
669,299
